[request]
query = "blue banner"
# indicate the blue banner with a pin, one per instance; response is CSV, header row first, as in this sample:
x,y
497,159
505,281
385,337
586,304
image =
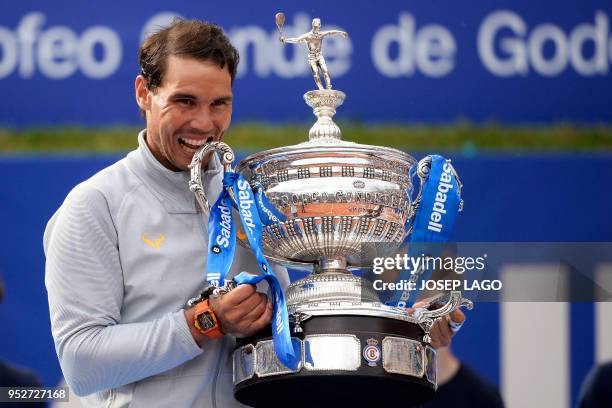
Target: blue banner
x,y
495,211
434,219
440,202
286,349
221,247
221,236
71,62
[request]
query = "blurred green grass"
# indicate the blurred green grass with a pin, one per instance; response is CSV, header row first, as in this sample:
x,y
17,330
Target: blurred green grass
x,y
460,136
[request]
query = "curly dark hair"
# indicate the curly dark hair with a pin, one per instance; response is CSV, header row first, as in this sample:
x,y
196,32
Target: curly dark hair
x,y
187,38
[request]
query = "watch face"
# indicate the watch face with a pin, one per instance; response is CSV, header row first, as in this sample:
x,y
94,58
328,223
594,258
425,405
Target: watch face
x,y
206,321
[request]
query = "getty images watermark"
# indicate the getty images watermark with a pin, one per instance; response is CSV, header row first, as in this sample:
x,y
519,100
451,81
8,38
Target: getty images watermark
x,y
407,267
492,271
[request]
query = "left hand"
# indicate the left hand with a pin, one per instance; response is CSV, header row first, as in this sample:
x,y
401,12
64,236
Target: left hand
x,y
441,333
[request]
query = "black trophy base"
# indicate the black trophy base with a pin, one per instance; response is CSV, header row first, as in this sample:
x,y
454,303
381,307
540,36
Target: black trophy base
x,y
368,386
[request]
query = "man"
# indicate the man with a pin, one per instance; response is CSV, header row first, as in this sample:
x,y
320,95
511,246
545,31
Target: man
x,y
126,249
459,386
595,391
314,41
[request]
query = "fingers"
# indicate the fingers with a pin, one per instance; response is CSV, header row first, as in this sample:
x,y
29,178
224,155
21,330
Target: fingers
x,y
445,328
445,331
262,321
456,320
242,311
249,305
439,338
418,304
457,316
434,333
441,333
253,313
239,294
421,303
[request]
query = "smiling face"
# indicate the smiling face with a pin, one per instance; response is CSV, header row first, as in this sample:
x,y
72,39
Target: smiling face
x,y
193,104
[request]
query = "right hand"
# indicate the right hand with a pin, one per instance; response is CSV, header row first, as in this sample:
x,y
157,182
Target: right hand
x,y
242,311
441,333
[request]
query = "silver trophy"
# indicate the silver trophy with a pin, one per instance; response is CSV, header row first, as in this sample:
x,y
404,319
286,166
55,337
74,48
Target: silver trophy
x,y
335,197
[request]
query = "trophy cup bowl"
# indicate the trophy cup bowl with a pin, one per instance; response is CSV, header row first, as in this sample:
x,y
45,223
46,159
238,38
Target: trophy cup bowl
x,y
332,197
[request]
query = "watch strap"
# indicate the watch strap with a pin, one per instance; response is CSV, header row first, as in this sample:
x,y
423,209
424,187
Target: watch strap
x,y
212,332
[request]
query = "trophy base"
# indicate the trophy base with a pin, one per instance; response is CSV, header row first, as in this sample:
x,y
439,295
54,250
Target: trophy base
x,y
334,390
345,361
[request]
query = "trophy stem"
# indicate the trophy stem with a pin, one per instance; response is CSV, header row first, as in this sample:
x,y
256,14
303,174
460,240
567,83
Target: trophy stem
x,y
324,103
331,265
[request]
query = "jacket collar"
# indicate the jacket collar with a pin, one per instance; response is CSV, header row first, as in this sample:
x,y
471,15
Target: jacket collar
x,y
171,188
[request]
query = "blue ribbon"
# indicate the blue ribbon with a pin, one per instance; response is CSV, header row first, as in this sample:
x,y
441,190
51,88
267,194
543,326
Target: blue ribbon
x,y
267,212
221,235
288,352
436,215
434,219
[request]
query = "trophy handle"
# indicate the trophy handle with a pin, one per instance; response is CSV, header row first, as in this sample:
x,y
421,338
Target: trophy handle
x,y
423,168
195,184
451,301
196,187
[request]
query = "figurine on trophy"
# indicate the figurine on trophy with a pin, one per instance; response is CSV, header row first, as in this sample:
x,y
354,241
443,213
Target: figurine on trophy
x,y
314,41
318,204
324,101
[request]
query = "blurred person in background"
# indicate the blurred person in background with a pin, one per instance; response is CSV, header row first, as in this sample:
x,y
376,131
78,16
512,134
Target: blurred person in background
x,y
596,389
459,386
17,377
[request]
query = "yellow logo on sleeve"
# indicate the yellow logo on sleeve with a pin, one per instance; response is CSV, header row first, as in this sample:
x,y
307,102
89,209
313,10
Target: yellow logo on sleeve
x,y
153,244
241,234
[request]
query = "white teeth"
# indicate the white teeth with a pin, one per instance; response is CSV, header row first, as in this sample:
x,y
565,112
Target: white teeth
x,y
194,142
188,149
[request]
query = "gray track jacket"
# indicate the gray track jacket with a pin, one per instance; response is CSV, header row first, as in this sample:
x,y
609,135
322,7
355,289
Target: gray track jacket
x,y
124,252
